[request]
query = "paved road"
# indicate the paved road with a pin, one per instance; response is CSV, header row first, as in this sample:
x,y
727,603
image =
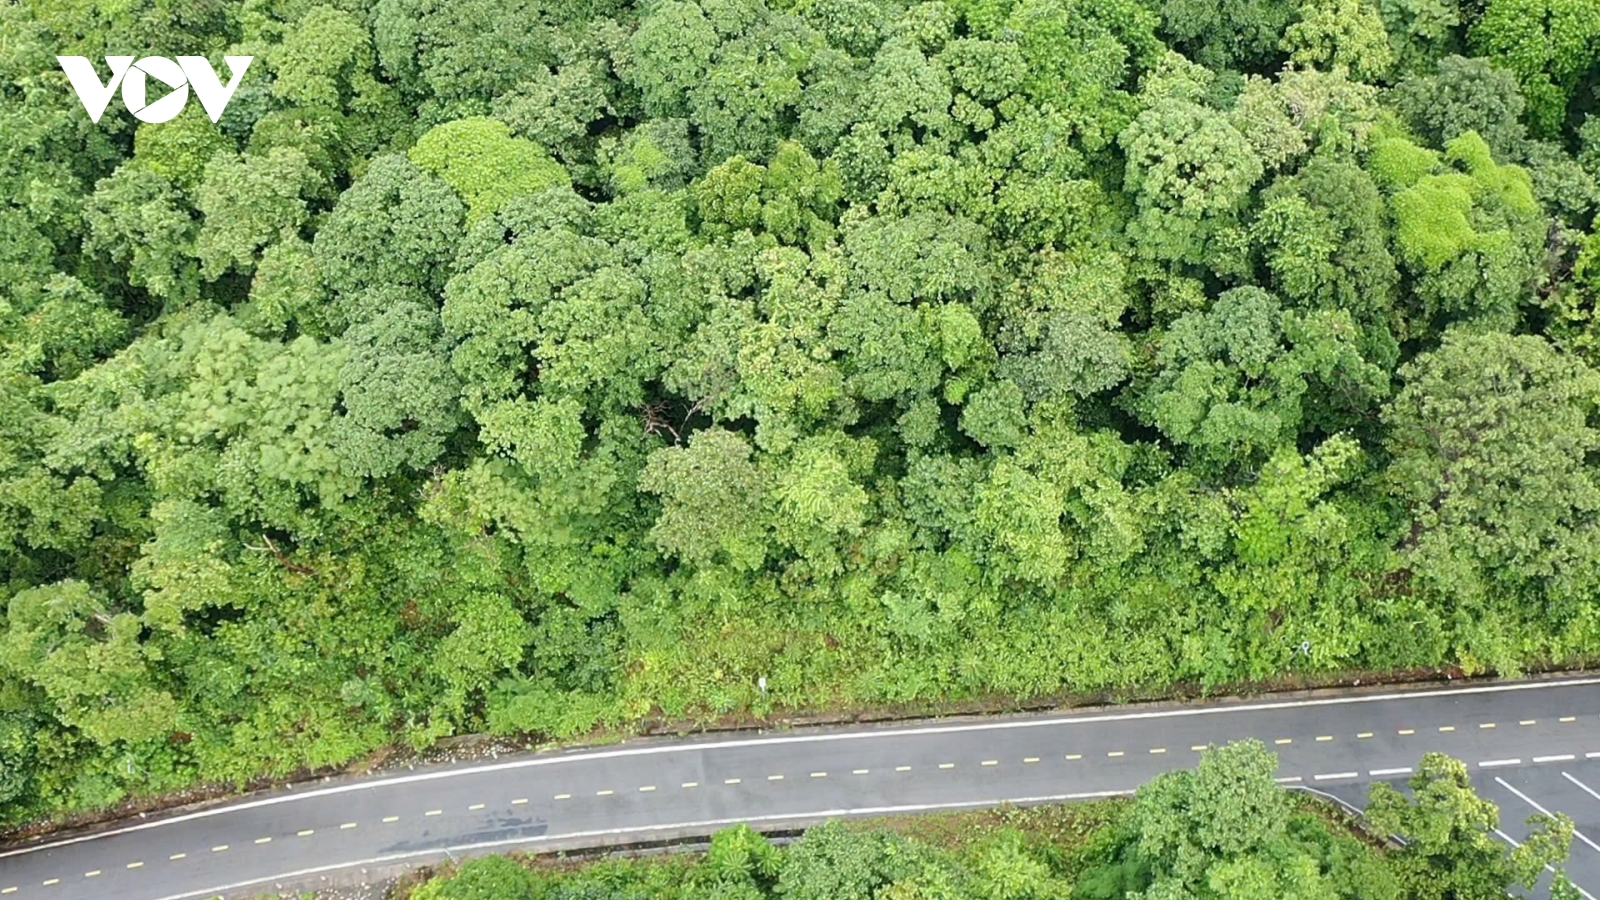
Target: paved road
x,y
1528,744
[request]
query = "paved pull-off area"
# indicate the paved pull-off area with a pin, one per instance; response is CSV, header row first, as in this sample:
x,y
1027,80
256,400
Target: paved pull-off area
x,y
1531,747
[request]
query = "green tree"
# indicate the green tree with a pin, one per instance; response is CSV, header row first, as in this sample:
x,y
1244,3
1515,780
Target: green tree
x,y
1450,851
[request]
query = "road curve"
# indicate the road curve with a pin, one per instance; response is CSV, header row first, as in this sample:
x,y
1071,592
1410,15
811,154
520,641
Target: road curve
x,y
638,791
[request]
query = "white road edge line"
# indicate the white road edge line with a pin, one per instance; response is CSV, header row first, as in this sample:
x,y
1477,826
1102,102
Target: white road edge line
x,y
1533,803
376,784
634,829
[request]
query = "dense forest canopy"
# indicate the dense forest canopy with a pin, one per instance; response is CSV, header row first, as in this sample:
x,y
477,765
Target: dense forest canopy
x,y
528,365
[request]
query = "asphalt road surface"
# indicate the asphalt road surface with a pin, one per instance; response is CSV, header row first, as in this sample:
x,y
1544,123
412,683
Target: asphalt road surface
x,y
1530,746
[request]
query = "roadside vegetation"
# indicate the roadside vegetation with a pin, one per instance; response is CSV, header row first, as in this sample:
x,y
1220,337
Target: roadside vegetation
x,y
530,366
1222,831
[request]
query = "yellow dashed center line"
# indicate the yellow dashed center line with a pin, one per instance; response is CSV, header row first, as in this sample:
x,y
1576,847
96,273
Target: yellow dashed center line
x,y
265,840
388,819
1408,731
475,806
178,856
346,826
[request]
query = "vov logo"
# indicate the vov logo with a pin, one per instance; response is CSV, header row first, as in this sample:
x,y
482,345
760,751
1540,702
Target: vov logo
x,y
180,76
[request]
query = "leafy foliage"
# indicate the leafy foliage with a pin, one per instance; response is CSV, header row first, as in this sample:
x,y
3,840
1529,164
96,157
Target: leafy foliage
x,y
534,367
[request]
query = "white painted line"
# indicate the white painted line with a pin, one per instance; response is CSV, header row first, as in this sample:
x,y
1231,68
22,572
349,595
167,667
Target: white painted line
x,y
1507,838
1569,719
93,874
947,765
774,777
1533,803
875,734
517,802
605,793
990,762
1282,741
136,865
1380,773
690,784
1030,759
1588,790
347,826
440,812
1485,724
389,819
702,825
1591,756
647,789
1324,737
475,807
902,768
730,780
819,774
1293,779
1447,728
1199,748
305,833
265,840
1327,776
1565,757
178,856
859,771
1495,763
1364,735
